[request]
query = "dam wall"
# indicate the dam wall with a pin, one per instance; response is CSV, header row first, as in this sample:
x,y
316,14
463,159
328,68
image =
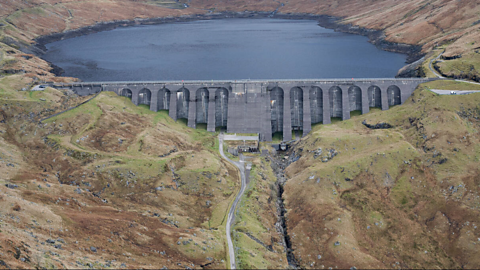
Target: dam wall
x,y
262,107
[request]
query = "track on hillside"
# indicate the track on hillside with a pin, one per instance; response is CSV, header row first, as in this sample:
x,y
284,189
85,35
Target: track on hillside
x,y
231,212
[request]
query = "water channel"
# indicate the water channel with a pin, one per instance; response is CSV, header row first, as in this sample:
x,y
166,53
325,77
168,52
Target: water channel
x,y
226,49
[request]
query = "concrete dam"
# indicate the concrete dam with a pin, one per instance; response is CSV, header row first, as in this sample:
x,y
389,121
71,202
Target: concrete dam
x,y
262,107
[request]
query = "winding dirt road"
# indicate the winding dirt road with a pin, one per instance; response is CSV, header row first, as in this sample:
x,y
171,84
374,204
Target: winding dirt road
x,y
231,212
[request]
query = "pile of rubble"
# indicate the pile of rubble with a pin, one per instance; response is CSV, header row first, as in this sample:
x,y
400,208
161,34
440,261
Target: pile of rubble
x,y
329,154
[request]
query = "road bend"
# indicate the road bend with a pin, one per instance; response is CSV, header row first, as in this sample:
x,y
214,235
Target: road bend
x,y
231,212
440,76
430,65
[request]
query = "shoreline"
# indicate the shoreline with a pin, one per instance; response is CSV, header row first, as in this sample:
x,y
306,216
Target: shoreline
x,y
375,37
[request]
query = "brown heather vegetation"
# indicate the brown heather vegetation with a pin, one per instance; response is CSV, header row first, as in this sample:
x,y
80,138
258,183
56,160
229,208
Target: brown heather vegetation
x,y
406,197
83,178
120,186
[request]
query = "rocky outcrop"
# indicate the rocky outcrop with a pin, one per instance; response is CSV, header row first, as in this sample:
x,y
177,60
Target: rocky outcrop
x,y
414,69
377,126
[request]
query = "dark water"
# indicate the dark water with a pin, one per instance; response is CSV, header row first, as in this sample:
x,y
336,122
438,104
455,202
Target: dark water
x,y
221,50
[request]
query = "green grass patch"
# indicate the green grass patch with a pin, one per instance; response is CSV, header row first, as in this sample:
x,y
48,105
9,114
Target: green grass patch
x,y
450,85
468,64
201,126
277,137
336,120
11,86
219,214
294,134
250,254
355,113
89,108
19,13
402,192
385,165
144,168
247,218
161,115
183,121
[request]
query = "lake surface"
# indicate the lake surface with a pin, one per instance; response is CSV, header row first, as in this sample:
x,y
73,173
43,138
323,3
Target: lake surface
x,y
226,49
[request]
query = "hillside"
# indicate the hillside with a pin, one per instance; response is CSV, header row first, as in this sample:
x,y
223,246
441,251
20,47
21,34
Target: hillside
x,y
112,185
405,197
108,184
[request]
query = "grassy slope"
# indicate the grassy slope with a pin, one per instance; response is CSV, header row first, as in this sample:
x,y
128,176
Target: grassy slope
x,y
404,197
142,142
118,205
256,215
82,150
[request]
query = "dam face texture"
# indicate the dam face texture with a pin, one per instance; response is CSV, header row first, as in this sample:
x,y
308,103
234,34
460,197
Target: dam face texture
x,y
263,107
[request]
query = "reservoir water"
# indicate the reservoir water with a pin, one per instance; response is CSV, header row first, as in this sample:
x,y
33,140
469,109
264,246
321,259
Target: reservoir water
x,y
226,49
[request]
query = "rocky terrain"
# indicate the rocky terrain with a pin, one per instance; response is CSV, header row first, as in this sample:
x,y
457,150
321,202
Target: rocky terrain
x,y
111,185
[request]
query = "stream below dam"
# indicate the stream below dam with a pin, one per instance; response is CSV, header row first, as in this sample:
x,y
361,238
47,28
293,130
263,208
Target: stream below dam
x,y
222,49
278,165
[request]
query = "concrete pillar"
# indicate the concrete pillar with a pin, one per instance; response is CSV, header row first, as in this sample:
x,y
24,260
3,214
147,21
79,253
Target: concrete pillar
x,y
135,96
266,134
154,100
405,92
192,111
287,116
211,111
365,105
307,117
161,98
232,111
326,106
173,105
345,103
383,92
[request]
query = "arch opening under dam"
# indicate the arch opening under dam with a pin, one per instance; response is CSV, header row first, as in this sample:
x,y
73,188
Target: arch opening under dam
x,y
163,99
374,97
183,98
296,107
144,96
393,94
277,104
126,93
264,107
336,102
